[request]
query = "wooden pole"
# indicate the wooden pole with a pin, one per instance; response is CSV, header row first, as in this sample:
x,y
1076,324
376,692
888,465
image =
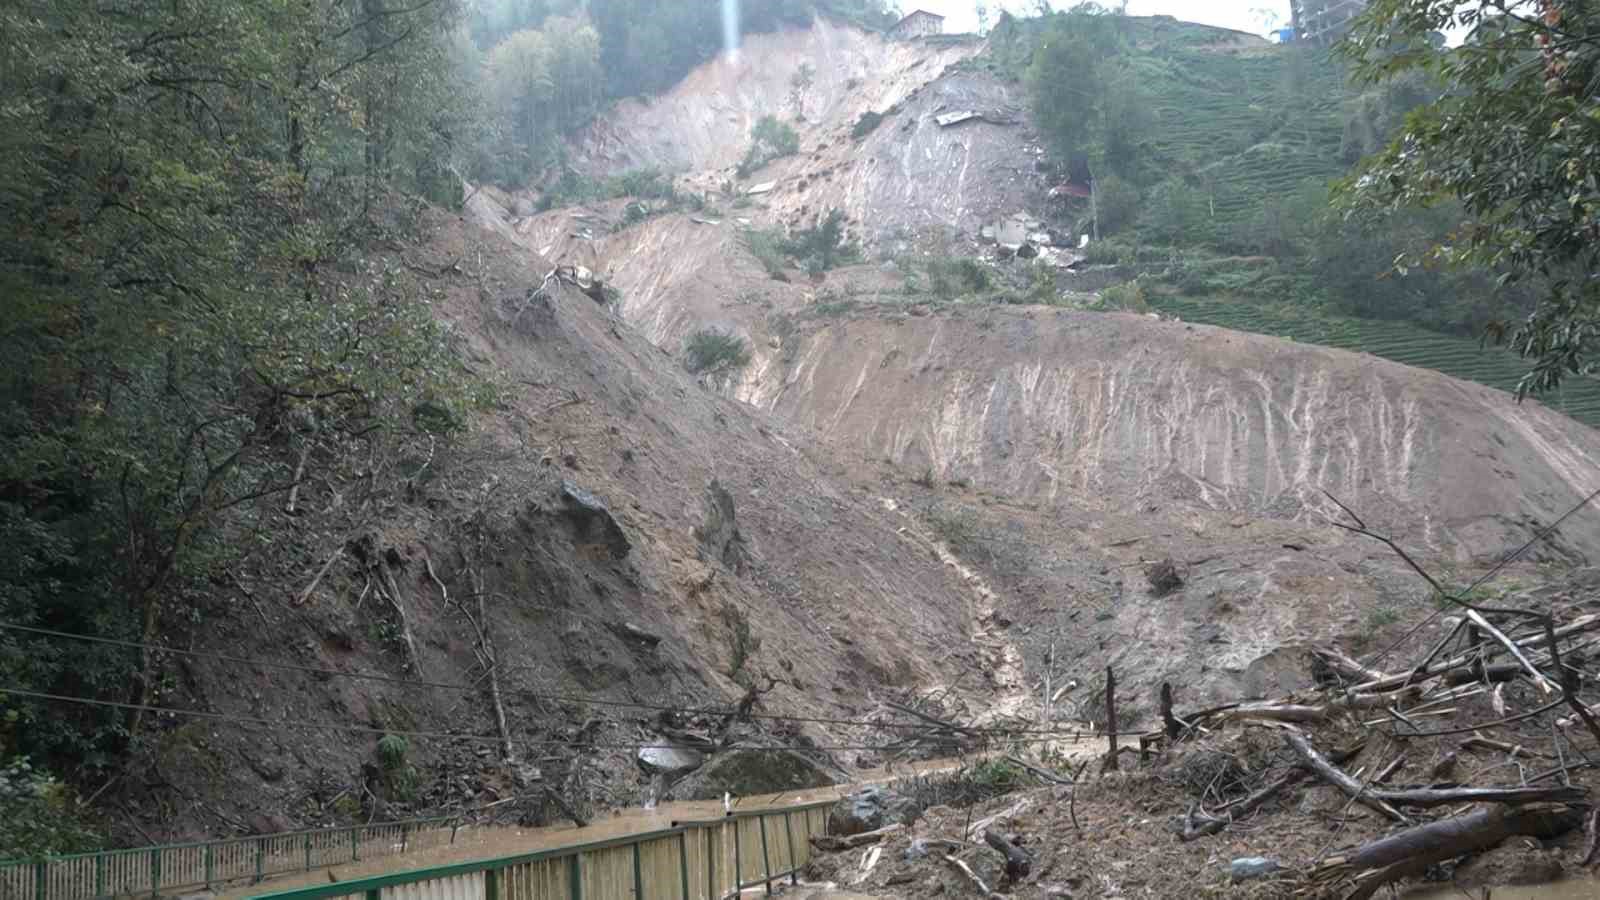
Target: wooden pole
x,y
1111,720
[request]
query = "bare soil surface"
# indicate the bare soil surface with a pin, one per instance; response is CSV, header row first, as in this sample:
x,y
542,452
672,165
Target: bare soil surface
x,y
749,557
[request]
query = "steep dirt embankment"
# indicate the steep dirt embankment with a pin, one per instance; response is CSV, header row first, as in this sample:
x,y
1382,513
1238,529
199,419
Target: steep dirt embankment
x,y
729,550
1064,406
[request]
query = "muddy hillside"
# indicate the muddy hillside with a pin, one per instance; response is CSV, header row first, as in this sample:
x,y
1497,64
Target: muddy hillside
x,y
1043,405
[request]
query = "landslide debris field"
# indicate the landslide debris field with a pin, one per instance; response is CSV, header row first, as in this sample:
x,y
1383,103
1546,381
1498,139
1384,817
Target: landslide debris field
x,y
818,465
1132,491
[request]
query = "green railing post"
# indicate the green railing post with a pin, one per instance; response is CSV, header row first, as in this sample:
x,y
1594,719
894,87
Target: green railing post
x,y
210,864
405,835
39,880
738,864
638,875
100,875
261,858
794,860
308,851
375,894
766,859
575,876
491,884
155,871
353,845
683,860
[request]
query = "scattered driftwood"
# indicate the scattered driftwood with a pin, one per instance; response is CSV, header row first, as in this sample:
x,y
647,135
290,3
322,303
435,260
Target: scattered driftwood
x,y
566,808
835,843
1384,800
317,579
1041,773
1345,667
1018,862
397,600
972,876
1207,823
1411,851
930,719
987,822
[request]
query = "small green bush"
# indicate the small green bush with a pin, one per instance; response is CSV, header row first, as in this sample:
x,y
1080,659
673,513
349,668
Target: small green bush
x,y
710,350
1128,296
866,124
767,246
770,139
952,277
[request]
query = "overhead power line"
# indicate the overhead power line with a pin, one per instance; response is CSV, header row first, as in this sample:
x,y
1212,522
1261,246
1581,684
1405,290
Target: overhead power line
x,y
468,688
441,735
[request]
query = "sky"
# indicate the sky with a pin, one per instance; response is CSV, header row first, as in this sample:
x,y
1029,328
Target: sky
x,y
1242,15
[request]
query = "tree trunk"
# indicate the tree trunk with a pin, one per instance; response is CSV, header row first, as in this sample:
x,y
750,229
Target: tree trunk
x,y
1410,852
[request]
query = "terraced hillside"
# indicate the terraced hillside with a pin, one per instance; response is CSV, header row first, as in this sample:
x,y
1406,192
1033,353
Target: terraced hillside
x,y
1397,341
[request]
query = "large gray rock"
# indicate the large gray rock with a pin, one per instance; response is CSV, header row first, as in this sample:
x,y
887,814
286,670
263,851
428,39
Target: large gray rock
x,y
868,809
594,520
718,531
744,773
1250,867
665,759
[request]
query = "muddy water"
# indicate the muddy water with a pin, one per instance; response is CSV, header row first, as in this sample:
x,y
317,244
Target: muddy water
x,y
490,842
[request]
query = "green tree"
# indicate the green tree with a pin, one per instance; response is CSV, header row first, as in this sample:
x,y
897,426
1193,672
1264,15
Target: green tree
x,y
189,192
1516,139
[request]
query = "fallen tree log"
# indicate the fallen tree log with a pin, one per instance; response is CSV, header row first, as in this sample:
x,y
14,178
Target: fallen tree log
x,y
1337,777
1468,660
1303,713
1384,800
835,843
1018,862
1412,851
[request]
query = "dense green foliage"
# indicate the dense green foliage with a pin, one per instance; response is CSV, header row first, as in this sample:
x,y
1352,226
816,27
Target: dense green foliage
x,y
41,815
189,192
1200,153
1515,139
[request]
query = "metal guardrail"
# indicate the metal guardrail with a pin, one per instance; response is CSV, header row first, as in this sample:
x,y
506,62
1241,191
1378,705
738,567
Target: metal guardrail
x,y
693,860
151,870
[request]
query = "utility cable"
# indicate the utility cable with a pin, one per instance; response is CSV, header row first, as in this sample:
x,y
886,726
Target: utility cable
x,y
440,735
551,698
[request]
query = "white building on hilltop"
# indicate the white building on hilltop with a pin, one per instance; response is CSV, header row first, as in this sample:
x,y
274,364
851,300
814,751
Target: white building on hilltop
x,y
917,23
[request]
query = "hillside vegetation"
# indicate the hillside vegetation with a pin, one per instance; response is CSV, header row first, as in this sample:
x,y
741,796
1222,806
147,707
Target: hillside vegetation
x,y
1207,145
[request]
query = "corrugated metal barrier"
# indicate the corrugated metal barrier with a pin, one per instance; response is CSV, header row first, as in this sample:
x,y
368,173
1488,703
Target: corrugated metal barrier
x,y
700,860
152,870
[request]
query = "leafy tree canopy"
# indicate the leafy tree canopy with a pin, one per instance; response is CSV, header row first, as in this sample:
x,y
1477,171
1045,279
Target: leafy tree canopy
x,y
1515,138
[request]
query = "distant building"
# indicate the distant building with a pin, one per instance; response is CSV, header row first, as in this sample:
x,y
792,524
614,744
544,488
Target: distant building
x,y
918,23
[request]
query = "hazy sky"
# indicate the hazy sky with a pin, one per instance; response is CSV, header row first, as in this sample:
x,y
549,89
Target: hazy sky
x,y
1244,15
